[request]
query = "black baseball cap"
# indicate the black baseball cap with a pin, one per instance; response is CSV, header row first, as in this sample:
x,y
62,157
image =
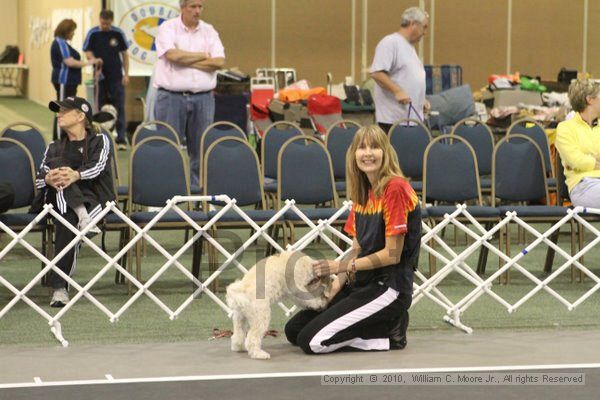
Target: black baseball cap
x,y
73,103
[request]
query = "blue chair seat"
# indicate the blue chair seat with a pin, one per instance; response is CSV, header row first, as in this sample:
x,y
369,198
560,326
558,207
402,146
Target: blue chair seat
x,y
270,185
20,219
255,215
535,211
552,182
112,219
424,213
485,183
315,214
123,191
475,211
171,216
417,185
340,186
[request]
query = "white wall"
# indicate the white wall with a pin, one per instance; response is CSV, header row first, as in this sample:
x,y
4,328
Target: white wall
x,y
8,22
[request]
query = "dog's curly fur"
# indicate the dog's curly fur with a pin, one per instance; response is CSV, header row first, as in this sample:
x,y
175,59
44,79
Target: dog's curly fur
x,y
286,275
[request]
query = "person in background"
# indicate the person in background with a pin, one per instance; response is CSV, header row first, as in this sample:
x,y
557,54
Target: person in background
x,y
399,73
108,43
189,53
578,143
75,176
66,64
372,288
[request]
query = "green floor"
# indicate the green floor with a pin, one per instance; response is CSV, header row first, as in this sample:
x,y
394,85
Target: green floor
x,y
146,322
22,110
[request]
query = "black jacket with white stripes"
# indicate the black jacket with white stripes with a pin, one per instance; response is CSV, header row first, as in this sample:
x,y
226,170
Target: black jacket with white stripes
x,y
91,157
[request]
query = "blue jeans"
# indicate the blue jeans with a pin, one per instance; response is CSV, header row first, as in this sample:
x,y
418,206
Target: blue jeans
x,y
586,193
189,115
113,92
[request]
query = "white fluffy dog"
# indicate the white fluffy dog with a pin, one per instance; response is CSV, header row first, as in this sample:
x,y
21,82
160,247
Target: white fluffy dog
x,y
286,275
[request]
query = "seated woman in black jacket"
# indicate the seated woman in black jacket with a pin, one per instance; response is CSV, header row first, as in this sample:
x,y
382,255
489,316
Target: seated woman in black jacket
x,y
75,176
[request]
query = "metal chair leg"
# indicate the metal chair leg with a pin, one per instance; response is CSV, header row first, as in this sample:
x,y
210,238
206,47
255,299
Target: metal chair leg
x,y
551,252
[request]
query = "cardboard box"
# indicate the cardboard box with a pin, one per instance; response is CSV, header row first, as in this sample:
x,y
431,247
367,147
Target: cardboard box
x,y
507,98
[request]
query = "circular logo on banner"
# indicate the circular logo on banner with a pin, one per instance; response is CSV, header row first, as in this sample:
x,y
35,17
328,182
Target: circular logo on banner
x,y
140,25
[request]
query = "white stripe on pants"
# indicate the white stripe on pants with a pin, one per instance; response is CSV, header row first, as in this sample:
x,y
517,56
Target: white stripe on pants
x,y
359,314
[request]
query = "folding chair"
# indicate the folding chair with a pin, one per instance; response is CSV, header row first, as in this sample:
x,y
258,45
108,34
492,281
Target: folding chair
x,y
154,129
518,177
450,177
564,199
122,191
16,168
111,223
480,137
533,130
275,136
157,173
31,137
240,180
338,140
211,134
305,174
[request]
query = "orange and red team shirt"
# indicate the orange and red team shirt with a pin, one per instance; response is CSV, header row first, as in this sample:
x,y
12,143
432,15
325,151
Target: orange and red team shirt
x,y
395,212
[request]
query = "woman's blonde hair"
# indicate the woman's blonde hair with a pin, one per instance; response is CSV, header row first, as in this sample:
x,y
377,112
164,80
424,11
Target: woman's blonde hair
x,y
580,90
93,127
357,181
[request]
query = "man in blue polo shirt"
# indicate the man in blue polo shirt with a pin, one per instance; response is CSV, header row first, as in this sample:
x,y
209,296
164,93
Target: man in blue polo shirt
x,y
109,43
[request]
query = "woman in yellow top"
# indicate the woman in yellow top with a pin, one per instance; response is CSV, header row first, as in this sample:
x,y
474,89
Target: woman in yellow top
x,y
578,142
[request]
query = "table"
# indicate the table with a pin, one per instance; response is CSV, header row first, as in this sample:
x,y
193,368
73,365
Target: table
x,y
12,77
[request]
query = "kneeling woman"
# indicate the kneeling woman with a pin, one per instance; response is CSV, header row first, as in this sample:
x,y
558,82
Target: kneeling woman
x,y
75,176
372,291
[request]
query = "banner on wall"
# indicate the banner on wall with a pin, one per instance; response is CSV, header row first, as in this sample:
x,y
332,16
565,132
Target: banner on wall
x,y
139,20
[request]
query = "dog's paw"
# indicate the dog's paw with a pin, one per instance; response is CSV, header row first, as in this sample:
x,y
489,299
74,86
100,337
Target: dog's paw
x,y
259,355
237,345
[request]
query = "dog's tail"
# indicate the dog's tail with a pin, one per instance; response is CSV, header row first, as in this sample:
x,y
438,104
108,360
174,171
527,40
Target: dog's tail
x,y
236,296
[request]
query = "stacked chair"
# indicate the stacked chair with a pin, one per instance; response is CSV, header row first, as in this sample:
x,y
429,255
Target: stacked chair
x,y
305,174
158,172
241,180
409,137
481,139
30,137
519,177
451,177
533,130
338,140
17,168
274,137
463,167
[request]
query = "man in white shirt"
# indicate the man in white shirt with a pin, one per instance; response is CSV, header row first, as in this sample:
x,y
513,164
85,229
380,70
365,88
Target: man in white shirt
x,y
189,54
399,73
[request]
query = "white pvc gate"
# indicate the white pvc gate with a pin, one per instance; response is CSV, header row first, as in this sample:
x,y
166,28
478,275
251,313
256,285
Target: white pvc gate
x,y
424,287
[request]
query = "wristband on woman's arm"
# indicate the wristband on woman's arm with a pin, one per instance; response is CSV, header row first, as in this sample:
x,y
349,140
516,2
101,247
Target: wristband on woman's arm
x,y
351,274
